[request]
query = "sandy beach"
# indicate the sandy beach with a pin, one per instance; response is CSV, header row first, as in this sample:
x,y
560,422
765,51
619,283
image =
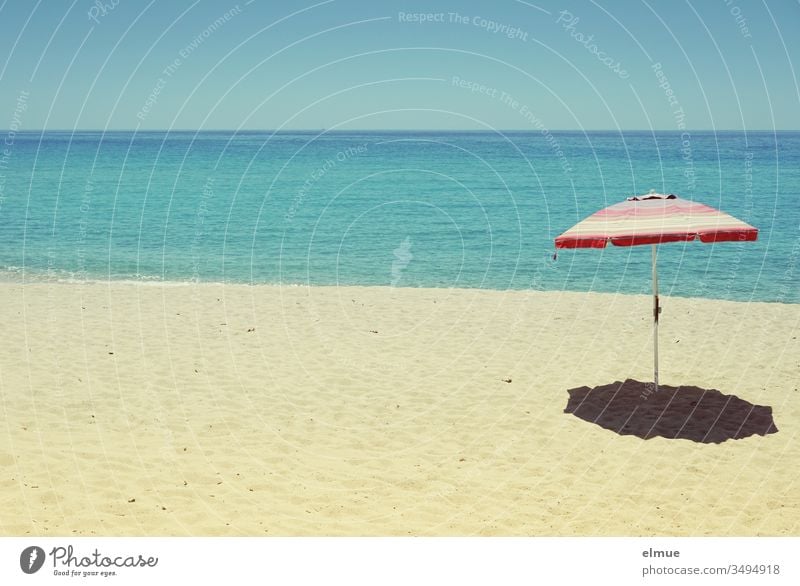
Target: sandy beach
x,y
167,409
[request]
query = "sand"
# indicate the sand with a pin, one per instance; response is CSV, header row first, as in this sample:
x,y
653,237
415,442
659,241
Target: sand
x,y
165,409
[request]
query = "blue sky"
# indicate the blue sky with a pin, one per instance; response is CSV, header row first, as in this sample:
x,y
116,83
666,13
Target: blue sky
x,y
354,64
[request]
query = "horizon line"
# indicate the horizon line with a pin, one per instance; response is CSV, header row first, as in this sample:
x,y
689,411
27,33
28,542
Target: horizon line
x,y
325,130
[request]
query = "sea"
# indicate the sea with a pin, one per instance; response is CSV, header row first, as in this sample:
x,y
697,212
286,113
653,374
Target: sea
x,y
391,208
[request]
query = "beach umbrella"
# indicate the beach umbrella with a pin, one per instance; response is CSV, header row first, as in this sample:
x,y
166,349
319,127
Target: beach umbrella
x,y
654,219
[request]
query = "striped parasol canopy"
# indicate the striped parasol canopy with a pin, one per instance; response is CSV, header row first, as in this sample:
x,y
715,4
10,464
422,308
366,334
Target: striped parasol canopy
x,y
653,219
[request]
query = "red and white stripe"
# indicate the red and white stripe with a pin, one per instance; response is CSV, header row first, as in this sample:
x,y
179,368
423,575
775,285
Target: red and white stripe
x,y
652,219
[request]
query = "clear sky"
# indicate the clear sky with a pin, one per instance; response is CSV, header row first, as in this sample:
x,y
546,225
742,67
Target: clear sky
x,y
435,64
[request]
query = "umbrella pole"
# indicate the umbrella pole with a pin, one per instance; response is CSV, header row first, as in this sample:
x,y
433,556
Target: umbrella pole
x,y
656,311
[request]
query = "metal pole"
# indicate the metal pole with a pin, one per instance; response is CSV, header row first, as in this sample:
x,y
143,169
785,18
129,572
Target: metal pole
x,y
656,311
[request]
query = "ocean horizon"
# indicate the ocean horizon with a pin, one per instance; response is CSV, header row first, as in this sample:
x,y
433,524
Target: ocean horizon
x,y
455,208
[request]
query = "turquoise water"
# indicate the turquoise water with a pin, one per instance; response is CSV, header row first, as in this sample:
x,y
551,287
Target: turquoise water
x,y
408,209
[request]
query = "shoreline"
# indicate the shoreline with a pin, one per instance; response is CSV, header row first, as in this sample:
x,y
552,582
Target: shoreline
x,y
153,282
313,410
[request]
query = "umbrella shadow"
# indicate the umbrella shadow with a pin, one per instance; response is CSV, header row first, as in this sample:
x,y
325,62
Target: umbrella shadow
x,y
701,415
